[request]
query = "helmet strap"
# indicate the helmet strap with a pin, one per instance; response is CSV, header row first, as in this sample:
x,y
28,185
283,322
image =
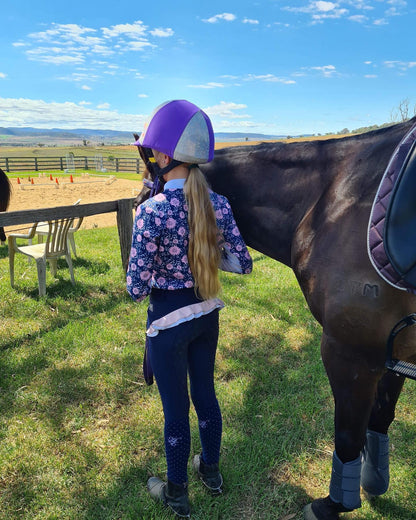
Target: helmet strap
x,y
160,172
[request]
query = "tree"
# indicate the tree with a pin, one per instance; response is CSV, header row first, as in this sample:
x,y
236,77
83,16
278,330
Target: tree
x,y
402,112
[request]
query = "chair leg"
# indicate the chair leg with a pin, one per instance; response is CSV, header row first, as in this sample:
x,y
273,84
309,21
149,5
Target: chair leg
x,y
71,270
41,266
71,243
53,262
11,261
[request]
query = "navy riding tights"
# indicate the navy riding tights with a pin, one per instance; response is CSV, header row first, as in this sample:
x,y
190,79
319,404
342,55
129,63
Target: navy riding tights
x,y
174,353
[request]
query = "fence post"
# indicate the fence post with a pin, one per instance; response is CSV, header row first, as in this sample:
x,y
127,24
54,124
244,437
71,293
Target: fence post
x,y
125,229
36,164
7,164
86,162
61,163
137,165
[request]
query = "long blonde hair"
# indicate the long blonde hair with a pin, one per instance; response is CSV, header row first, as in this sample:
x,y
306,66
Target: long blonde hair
x,y
203,251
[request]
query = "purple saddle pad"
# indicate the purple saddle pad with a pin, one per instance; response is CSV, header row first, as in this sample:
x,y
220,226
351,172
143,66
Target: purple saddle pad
x,y
385,214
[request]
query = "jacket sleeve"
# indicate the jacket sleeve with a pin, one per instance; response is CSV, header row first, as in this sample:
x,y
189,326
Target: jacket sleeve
x,y
144,248
235,255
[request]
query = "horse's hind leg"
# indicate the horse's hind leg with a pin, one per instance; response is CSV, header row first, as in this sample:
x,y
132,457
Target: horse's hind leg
x,y
354,385
375,468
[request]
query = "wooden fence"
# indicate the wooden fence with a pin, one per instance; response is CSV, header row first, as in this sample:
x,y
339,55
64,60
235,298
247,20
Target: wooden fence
x,y
117,164
123,207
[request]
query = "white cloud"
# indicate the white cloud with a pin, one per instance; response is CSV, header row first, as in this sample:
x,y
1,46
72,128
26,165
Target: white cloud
x,y
162,33
398,3
250,21
327,70
209,85
235,125
320,10
40,114
139,46
86,87
72,44
225,109
227,17
370,76
48,55
133,30
380,21
269,78
142,95
359,18
104,106
400,65
324,6
3,75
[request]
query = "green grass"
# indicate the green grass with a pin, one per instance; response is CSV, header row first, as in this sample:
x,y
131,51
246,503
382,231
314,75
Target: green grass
x,y
80,432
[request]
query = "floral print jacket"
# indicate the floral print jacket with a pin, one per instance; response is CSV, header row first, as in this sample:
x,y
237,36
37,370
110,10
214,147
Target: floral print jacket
x,y
158,256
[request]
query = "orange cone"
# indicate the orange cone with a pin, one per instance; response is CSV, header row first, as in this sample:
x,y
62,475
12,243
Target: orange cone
x,y
50,177
71,179
18,180
56,180
32,181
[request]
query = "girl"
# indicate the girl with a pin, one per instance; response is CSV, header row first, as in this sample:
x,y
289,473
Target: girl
x,y
180,239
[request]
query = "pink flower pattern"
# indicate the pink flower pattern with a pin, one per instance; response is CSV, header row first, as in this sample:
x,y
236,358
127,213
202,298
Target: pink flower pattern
x,y
160,243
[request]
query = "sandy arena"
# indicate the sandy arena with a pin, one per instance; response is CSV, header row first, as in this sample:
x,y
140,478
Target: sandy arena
x,y
48,196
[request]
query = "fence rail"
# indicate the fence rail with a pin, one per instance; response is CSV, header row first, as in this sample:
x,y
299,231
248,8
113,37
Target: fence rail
x,y
123,207
117,164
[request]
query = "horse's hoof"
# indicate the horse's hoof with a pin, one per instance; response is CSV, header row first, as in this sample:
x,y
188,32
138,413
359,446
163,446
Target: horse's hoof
x,y
308,513
323,509
368,496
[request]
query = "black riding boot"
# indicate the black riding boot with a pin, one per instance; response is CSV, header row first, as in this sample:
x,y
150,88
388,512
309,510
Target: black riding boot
x,y
174,496
209,474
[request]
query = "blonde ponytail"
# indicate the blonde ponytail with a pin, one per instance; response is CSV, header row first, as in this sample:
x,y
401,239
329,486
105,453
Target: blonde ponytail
x,y
203,251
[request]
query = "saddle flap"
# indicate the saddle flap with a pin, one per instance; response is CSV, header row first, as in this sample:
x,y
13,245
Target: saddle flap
x,y
400,224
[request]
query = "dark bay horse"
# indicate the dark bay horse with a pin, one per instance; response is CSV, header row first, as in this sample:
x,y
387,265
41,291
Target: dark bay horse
x,y
5,192
307,205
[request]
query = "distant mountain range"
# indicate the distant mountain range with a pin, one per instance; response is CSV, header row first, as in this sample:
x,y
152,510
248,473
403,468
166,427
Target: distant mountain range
x,y
58,136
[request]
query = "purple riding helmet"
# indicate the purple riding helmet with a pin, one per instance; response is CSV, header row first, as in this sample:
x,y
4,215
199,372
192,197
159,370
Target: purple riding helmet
x,y
182,131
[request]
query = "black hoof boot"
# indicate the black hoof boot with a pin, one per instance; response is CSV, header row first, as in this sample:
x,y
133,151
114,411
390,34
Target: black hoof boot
x,y
324,509
174,496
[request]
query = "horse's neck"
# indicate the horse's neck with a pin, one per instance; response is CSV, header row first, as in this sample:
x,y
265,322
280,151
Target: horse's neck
x,y
271,187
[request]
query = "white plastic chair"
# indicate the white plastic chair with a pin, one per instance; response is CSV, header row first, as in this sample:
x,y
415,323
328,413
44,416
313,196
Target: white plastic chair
x,y
42,230
55,246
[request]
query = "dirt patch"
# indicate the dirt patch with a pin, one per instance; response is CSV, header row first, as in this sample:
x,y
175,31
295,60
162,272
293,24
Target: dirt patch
x,y
46,193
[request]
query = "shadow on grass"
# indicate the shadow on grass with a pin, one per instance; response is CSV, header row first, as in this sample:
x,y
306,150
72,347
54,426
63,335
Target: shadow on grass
x,y
4,251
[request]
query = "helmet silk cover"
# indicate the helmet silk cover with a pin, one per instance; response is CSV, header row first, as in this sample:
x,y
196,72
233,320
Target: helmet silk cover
x,y
181,130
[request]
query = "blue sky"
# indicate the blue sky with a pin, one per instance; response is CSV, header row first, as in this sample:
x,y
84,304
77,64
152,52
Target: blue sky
x,y
271,66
